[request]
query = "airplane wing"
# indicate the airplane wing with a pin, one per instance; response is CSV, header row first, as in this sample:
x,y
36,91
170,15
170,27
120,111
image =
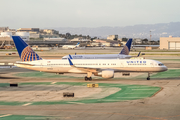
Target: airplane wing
x,y
87,69
16,64
7,65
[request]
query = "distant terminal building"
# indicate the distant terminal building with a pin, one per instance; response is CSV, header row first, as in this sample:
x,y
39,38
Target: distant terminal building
x,y
123,42
50,31
36,33
34,30
3,29
49,36
6,34
6,29
112,37
6,37
107,43
55,39
79,39
137,40
23,35
170,43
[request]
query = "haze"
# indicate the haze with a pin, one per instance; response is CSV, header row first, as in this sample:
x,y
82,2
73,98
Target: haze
x,y
86,13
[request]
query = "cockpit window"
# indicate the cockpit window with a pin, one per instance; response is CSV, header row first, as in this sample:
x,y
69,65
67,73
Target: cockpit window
x,y
160,64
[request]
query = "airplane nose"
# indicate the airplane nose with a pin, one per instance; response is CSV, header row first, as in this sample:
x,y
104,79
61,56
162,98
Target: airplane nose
x,y
165,68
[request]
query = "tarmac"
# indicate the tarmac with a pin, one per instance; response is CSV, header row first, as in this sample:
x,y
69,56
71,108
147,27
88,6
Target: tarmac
x,y
40,95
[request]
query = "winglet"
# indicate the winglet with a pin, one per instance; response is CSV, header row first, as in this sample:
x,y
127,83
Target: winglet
x,y
70,62
139,54
70,56
127,47
77,43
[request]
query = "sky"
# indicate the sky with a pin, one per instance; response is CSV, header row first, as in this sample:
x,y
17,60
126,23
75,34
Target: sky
x,y
86,13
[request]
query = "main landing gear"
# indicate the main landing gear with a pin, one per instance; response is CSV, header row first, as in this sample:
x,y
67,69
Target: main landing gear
x,y
88,77
148,78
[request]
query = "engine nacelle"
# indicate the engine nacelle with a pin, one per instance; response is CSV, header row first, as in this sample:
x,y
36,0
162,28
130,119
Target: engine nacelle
x,y
106,74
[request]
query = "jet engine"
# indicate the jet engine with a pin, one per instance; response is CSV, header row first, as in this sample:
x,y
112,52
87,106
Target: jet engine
x,y
105,74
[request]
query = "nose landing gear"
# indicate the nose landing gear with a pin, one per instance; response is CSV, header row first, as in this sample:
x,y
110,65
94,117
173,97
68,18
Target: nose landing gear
x,y
148,78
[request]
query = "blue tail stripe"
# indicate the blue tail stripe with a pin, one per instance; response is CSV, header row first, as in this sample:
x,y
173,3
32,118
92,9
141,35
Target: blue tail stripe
x,y
30,58
34,58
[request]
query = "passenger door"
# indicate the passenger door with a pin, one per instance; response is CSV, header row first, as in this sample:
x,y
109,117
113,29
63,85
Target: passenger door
x,y
122,64
152,64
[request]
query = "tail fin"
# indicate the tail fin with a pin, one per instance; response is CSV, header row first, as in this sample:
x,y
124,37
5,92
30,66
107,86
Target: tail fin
x,y
77,44
25,52
126,48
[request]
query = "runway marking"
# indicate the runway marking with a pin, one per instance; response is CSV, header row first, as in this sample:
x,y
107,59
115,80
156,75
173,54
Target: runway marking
x,y
139,93
128,94
110,100
5,115
41,118
26,104
157,92
53,82
79,111
76,102
144,89
130,97
117,85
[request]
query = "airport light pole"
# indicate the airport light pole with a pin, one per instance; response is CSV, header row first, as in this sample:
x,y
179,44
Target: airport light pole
x,y
150,36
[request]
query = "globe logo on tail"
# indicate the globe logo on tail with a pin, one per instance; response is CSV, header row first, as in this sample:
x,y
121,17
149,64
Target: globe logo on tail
x,y
29,55
125,51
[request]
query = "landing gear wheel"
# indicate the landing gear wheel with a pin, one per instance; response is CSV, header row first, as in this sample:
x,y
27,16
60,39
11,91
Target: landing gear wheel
x,y
148,78
86,78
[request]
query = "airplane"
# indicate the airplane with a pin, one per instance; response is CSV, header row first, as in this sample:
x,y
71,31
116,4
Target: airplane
x,y
71,46
122,55
99,67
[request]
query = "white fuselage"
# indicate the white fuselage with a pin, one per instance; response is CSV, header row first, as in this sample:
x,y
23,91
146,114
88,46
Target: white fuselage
x,y
69,46
99,56
117,65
